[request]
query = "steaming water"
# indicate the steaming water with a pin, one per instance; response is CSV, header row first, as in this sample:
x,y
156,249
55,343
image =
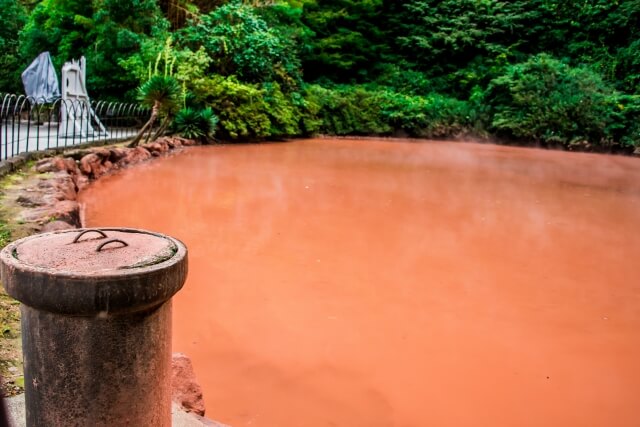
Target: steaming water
x,y
376,283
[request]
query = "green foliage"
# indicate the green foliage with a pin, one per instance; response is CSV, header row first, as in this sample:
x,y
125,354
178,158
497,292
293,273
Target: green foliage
x,y
544,99
346,110
628,67
458,44
241,107
405,80
5,234
162,95
256,111
194,124
13,18
601,33
241,43
163,90
546,70
426,116
283,114
106,32
348,39
57,26
623,123
118,30
185,66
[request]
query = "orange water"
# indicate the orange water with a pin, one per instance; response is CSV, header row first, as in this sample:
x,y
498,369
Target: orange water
x,y
395,283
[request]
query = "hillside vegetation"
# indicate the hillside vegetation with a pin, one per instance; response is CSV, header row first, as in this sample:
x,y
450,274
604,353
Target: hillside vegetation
x,y
551,72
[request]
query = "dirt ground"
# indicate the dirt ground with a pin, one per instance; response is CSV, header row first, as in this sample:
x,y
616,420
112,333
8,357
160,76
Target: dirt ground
x,y
10,349
11,228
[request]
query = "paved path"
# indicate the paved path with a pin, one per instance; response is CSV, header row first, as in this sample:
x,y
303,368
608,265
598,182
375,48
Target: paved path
x,y
19,138
179,418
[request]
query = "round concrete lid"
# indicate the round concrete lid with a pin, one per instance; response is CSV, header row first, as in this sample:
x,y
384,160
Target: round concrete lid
x,y
94,251
89,271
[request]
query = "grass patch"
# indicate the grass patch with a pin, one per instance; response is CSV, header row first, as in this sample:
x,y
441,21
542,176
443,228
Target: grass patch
x,y
5,234
10,356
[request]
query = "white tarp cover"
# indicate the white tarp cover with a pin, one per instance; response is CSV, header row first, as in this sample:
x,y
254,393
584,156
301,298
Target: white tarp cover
x,y
40,80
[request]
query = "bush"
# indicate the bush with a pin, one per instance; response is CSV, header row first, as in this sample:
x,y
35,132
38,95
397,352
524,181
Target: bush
x,y
240,42
356,110
425,116
544,99
347,110
240,107
193,124
159,91
623,125
254,111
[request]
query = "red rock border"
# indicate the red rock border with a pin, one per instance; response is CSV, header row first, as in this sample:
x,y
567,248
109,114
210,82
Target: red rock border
x,y
53,204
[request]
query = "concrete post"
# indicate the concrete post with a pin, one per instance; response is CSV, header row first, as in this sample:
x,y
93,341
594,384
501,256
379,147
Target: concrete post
x,y
96,324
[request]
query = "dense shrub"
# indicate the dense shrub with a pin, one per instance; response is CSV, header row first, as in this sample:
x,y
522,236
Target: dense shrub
x,y
252,110
195,124
240,107
345,110
544,99
241,43
623,126
13,17
425,116
421,68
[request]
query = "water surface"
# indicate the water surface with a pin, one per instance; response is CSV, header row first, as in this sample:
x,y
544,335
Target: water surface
x,y
396,283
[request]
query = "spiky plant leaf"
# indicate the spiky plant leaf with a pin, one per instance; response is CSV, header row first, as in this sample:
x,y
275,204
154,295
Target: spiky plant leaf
x,y
194,124
208,122
165,91
187,123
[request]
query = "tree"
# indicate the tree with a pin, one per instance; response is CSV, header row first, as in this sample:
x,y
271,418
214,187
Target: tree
x,y
104,31
460,43
544,99
348,40
57,26
241,43
119,29
161,94
13,16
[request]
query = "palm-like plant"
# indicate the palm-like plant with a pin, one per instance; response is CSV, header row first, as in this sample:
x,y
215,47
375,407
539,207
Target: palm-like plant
x,y
208,122
194,124
161,94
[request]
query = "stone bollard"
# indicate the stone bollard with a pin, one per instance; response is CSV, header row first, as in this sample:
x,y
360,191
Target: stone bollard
x,y
96,324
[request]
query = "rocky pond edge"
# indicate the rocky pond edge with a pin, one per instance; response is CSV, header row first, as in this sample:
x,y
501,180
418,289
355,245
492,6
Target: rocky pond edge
x,y
47,200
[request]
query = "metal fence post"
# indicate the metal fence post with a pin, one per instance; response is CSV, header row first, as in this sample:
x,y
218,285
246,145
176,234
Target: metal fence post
x,y
22,117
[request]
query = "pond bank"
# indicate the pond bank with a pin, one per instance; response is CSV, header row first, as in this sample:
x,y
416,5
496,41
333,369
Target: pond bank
x,y
285,192
40,195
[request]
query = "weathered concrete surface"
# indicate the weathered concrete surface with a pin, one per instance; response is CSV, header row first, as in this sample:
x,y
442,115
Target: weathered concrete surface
x,y
99,308
179,418
43,197
16,410
91,371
